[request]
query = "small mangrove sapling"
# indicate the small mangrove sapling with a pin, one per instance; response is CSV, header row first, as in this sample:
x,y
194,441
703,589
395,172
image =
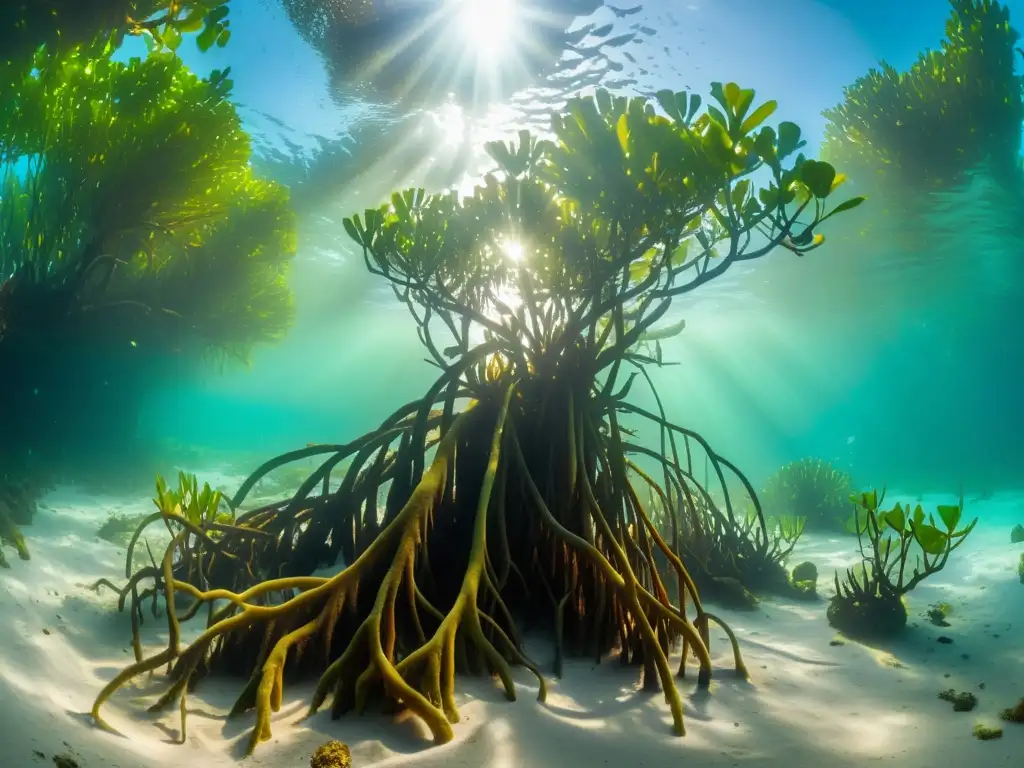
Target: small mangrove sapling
x,y
869,600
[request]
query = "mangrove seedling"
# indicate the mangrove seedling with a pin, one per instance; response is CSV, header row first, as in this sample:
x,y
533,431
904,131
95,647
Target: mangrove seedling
x,y
869,600
507,495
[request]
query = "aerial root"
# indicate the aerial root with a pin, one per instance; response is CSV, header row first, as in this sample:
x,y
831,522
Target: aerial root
x,y
423,680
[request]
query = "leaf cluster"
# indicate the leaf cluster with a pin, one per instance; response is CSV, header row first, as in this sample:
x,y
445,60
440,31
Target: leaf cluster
x,y
199,506
589,234
127,189
60,26
953,109
888,538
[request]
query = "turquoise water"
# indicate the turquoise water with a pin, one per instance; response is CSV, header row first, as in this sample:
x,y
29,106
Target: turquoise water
x,y
901,366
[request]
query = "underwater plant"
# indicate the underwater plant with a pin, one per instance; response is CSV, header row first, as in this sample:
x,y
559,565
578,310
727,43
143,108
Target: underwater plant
x,y
955,108
62,25
811,489
511,479
726,551
963,701
869,600
134,239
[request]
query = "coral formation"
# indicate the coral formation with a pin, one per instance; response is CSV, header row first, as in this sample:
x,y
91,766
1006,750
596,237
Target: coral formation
x,y
810,489
869,600
519,469
1017,534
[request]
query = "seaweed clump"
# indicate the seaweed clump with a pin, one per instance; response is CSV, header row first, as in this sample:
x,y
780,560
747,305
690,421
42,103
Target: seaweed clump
x,y
1014,714
964,701
507,495
869,600
811,489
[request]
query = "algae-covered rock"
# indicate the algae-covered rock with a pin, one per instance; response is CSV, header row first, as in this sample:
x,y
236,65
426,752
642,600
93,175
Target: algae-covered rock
x,y
333,754
804,579
1017,534
963,701
1014,714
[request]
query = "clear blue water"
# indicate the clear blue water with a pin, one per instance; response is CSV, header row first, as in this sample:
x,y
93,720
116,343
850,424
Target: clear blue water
x,y
904,367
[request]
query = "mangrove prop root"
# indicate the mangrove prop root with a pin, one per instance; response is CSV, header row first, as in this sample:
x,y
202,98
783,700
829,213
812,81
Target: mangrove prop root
x,y
407,645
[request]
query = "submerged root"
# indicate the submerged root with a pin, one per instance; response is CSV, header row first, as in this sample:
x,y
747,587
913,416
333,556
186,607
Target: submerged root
x,y
403,640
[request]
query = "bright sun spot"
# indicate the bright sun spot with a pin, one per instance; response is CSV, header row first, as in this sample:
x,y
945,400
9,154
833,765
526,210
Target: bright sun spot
x,y
512,249
487,24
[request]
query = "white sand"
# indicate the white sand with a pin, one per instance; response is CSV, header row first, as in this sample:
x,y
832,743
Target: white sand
x,y
809,704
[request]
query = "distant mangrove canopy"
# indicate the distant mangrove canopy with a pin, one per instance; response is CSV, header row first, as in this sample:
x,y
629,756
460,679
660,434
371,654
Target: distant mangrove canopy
x,y
955,109
62,25
135,238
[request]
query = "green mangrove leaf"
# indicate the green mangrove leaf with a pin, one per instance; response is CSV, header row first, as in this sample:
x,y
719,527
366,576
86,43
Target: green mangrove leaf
x,y
172,38
950,515
789,139
846,205
622,132
895,519
931,539
758,116
818,177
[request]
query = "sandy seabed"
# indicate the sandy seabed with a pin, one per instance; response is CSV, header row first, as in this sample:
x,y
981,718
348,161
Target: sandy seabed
x,y
812,701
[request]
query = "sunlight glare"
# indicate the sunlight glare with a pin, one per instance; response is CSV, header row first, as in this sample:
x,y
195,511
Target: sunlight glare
x,y
487,24
512,249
